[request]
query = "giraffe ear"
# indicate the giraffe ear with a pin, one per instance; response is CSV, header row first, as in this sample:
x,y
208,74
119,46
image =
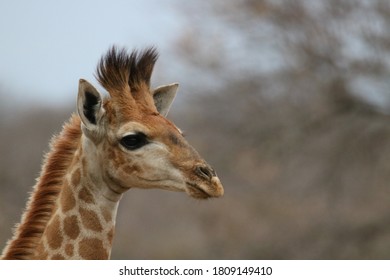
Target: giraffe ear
x,y
89,105
163,97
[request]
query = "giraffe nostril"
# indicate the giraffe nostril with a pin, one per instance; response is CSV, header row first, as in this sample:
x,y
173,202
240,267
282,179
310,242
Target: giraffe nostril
x,y
205,172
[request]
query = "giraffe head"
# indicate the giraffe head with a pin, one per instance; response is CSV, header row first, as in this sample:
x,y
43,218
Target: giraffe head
x,y
127,138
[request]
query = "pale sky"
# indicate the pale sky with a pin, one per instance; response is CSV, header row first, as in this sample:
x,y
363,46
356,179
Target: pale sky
x,y
46,46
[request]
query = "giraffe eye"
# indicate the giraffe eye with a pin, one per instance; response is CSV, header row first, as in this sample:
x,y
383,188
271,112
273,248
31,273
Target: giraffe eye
x,y
134,141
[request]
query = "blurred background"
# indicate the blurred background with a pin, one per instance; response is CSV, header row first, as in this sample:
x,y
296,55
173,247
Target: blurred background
x,y
289,100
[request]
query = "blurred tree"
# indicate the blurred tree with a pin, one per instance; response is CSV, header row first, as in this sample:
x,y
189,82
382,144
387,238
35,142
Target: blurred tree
x,y
297,110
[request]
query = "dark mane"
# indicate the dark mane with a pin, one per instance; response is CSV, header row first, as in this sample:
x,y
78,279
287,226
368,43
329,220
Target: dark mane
x,y
118,69
42,201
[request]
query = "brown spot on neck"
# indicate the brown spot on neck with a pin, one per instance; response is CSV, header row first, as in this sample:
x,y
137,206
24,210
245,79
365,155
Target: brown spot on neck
x,y
92,249
53,233
71,227
67,200
90,220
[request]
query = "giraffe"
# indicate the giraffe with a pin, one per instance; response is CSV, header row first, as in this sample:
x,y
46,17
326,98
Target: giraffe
x,y
111,145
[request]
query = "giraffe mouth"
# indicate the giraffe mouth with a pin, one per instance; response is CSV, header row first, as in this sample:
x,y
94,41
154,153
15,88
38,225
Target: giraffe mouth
x,y
195,191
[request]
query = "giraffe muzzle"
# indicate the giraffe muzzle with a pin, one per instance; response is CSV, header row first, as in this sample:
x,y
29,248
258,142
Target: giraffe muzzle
x,y
208,186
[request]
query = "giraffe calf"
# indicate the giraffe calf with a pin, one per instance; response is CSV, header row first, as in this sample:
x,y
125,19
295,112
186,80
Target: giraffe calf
x,y
113,144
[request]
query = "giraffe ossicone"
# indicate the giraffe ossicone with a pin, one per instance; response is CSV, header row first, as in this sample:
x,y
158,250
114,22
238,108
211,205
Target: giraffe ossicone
x,y
114,143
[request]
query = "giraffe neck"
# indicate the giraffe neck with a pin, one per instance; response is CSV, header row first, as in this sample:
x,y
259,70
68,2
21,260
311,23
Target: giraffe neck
x,y
82,225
